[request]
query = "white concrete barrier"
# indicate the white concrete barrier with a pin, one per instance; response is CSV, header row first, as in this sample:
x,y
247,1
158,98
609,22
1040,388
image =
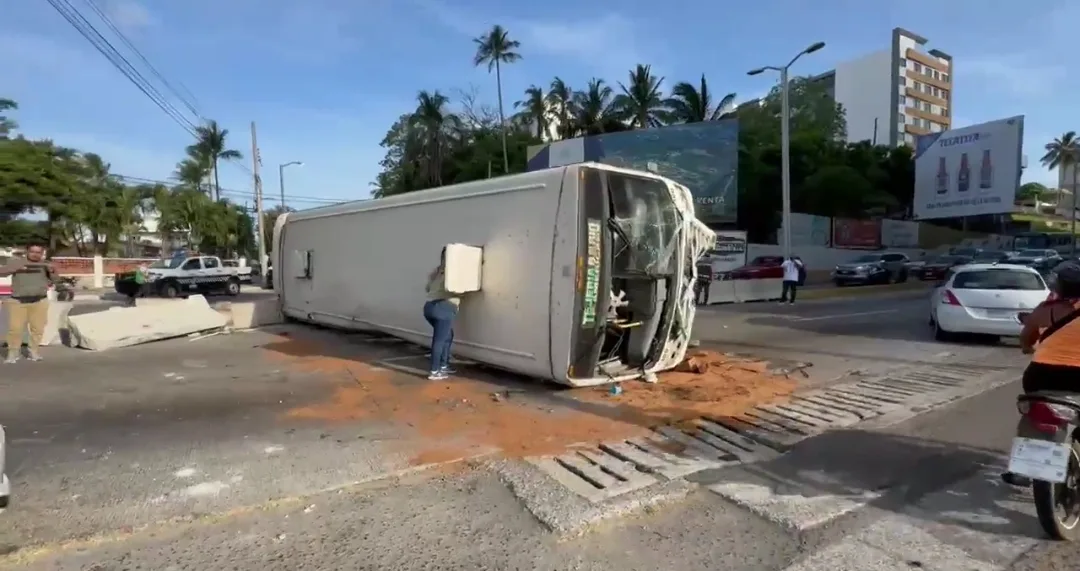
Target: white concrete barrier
x,y
758,290
250,314
722,292
126,326
57,321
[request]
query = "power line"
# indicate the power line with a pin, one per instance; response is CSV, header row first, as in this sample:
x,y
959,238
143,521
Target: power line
x,y
103,46
245,194
188,101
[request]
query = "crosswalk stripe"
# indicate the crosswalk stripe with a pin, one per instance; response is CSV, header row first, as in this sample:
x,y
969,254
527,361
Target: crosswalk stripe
x,y
980,524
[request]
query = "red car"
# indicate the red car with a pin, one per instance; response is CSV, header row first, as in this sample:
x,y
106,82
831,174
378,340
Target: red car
x,y
761,267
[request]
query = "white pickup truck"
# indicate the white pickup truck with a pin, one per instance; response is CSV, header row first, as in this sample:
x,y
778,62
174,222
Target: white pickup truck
x,y
182,275
243,272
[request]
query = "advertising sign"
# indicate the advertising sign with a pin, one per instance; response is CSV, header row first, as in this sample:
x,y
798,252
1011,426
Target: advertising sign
x,y
899,234
856,234
729,251
702,156
970,171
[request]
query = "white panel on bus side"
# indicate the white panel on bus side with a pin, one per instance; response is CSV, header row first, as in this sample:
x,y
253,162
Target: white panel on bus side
x,y
464,268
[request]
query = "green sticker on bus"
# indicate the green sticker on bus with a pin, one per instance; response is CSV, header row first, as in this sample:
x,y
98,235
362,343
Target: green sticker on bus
x,y
592,273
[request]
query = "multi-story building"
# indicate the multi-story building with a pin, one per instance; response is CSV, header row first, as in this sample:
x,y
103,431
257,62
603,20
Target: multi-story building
x,y
892,95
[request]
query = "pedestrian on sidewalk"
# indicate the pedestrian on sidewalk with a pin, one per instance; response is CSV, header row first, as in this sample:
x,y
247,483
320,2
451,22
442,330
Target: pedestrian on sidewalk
x,y
140,289
793,271
703,284
28,306
440,311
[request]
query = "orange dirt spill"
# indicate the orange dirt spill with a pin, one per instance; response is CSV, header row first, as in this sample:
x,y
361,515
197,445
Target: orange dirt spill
x,y
463,416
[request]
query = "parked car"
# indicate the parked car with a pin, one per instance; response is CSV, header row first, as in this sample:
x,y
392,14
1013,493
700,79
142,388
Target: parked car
x,y
965,251
1041,260
935,268
991,257
866,269
987,299
761,267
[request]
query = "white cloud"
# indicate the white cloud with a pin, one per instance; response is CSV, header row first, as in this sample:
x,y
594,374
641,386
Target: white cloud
x,y
606,43
129,15
1018,74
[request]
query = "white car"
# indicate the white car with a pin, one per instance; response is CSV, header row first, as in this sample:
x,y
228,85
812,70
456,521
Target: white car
x,y
986,299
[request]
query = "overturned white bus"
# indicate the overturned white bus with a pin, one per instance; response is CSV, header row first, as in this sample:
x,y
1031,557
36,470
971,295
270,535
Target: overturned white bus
x,y
584,274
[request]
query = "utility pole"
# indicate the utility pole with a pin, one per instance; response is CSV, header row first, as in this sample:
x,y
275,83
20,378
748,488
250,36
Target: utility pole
x,y
255,160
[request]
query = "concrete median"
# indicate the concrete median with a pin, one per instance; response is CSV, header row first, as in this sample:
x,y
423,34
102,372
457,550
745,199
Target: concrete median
x,y
251,314
154,321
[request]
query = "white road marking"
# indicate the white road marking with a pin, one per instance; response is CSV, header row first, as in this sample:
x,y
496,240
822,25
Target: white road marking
x,y
846,315
978,524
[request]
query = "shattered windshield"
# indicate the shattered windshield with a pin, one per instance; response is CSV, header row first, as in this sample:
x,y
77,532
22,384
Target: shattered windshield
x,y
646,222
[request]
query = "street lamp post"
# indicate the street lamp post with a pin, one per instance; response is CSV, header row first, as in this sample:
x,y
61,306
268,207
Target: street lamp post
x,y
785,140
281,178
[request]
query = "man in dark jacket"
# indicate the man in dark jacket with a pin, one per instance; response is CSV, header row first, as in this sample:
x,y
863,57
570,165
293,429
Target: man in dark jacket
x,y
31,278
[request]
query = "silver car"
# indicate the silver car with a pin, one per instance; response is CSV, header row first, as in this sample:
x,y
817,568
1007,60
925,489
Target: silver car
x,y
877,268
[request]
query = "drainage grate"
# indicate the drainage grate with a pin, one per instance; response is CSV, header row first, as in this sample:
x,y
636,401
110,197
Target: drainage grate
x,y
615,468
761,434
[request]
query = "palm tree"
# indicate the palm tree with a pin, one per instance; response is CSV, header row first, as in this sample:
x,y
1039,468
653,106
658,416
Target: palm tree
x,y
641,100
561,99
494,49
7,125
690,104
436,125
594,109
1064,153
534,110
193,172
210,147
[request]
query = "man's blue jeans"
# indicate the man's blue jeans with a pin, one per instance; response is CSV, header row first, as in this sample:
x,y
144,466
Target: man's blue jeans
x,y
440,314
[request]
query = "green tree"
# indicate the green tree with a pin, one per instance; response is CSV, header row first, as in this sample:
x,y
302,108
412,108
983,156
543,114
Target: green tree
x,y
642,99
496,49
533,109
1032,191
595,110
7,125
1064,153
561,98
209,149
693,104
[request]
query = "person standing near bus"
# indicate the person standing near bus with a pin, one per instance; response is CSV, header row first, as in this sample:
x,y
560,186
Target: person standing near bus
x,y
792,268
28,306
440,311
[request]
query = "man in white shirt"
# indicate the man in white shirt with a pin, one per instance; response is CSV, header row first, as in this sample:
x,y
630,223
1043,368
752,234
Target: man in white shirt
x,y
791,268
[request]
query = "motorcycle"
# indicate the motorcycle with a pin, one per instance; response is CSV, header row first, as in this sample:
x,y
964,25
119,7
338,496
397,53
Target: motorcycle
x,y
1046,451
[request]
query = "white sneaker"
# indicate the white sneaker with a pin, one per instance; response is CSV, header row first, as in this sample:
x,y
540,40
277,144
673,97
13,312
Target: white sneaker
x,y
35,357
437,376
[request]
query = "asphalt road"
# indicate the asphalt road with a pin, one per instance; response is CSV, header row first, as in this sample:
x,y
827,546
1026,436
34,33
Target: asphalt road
x,y
176,456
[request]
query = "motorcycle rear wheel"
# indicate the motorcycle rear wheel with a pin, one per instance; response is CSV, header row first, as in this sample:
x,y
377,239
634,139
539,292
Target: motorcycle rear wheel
x,y
1058,505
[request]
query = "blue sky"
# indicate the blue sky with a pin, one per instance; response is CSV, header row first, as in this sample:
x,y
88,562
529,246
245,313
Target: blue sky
x,y
324,79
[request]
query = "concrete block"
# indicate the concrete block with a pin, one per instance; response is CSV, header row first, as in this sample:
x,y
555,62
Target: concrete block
x,y
259,313
57,322
126,326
